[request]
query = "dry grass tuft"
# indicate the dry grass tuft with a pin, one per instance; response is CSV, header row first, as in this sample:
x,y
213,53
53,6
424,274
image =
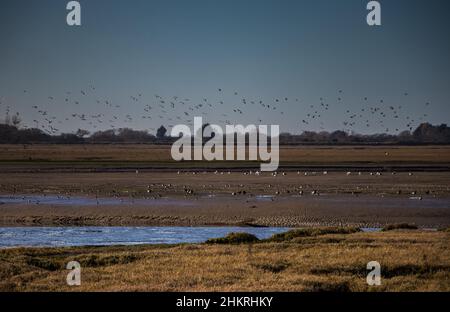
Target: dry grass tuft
x,y
101,261
290,235
276,267
400,226
234,238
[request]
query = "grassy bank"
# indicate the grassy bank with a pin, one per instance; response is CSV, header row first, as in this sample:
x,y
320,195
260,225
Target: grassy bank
x,y
411,260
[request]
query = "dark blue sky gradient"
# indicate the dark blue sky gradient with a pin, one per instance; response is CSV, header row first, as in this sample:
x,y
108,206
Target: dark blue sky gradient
x,y
262,49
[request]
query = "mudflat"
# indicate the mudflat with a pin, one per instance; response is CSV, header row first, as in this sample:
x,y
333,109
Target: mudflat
x,y
195,198
139,184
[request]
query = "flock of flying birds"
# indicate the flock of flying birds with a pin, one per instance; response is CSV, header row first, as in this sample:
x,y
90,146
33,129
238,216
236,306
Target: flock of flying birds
x,y
160,110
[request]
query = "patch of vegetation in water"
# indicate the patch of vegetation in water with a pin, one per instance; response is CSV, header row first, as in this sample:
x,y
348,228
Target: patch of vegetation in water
x,y
234,238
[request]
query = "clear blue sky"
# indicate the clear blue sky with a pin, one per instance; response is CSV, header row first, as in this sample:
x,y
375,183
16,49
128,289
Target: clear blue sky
x,y
125,52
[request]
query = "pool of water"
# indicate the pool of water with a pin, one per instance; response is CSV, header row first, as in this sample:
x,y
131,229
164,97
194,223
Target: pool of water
x,y
324,199
105,236
87,201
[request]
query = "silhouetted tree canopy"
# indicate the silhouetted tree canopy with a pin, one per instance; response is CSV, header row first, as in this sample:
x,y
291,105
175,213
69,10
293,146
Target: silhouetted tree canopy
x,y
424,134
161,132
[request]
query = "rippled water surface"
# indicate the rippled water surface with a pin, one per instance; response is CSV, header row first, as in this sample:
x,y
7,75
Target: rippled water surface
x,y
103,236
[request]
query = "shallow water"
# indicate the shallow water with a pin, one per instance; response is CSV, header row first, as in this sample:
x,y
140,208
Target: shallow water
x,y
104,236
371,229
324,199
87,201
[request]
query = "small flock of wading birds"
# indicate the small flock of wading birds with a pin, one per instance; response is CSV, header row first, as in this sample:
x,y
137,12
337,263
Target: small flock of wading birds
x,y
105,114
300,191
154,191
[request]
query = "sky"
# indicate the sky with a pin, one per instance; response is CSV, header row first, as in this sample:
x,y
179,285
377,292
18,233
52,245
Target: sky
x,y
245,61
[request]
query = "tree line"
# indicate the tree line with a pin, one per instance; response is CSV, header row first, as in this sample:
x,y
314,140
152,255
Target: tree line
x,y
425,133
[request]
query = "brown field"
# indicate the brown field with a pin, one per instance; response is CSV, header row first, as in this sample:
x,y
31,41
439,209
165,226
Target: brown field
x,y
410,261
142,155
